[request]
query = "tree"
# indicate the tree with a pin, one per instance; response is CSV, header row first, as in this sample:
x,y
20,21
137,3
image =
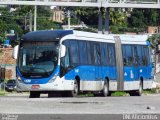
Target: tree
x,y
137,18
151,16
154,40
118,17
7,23
88,15
43,17
44,21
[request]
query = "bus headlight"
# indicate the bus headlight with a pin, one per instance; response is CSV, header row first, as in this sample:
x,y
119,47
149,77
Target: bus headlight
x,y
53,79
19,78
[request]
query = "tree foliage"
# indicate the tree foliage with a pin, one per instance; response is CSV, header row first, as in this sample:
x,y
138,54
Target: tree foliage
x,y
154,40
121,20
88,15
117,17
144,17
15,20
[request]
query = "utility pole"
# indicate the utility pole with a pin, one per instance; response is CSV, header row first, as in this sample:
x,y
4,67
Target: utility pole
x,y
25,22
69,19
30,21
35,18
106,30
100,21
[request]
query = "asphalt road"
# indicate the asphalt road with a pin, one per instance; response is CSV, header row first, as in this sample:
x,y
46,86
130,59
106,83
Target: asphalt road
x,y
20,104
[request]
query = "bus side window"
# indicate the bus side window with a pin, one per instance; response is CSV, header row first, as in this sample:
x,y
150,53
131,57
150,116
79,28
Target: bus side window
x,y
127,55
144,56
74,53
65,60
137,60
139,53
111,55
104,54
89,52
124,55
135,56
83,52
65,64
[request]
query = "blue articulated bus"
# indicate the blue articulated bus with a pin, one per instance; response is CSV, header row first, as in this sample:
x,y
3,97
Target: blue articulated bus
x,y
71,62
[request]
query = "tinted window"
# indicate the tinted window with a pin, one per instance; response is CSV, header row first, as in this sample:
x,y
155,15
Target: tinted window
x,y
127,55
139,53
96,54
124,55
104,53
135,55
111,54
74,52
145,57
89,52
83,52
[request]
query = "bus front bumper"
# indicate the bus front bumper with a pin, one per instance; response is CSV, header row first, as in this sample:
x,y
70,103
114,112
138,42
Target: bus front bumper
x,y
63,86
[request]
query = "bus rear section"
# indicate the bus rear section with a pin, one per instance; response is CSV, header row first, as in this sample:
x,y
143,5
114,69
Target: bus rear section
x,y
134,65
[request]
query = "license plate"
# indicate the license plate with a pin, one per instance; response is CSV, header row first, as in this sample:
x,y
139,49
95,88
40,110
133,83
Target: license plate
x,y
35,87
10,88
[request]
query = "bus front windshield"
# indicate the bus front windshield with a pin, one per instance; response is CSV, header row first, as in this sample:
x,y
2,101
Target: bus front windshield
x,y
38,59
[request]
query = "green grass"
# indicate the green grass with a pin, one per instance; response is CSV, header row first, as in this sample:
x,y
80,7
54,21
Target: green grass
x,y
152,91
2,93
86,95
119,94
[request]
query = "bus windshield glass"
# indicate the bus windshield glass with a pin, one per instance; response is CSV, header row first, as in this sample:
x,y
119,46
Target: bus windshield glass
x,y
38,59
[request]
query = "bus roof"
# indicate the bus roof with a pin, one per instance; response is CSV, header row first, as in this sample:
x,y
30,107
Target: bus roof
x,y
125,39
56,35
46,35
133,39
93,35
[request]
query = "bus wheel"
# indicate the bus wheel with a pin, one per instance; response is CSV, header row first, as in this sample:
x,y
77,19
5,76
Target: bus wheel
x,y
105,91
139,91
34,94
50,95
74,93
65,94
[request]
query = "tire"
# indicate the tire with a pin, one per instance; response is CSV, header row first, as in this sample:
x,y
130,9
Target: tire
x,y
50,95
65,94
75,91
105,91
34,94
137,92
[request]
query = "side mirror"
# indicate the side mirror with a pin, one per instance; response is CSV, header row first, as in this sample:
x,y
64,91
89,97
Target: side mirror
x,y
63,50
15,52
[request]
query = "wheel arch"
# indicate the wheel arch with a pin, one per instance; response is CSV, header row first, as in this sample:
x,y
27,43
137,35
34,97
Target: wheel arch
x,y
141,80
77,78
106,80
